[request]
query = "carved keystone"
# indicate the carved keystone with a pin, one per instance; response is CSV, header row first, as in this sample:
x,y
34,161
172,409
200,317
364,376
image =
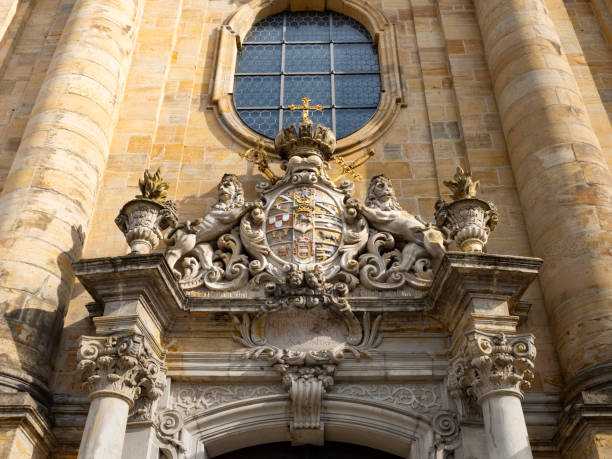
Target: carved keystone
x,y
306,386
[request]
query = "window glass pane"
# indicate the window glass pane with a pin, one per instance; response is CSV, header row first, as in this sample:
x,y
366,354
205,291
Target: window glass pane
x,y
259,59
307,26
262,121
351,119
347,29
317,87
355,58
295,116
268,29
307,58
257,91
357,90
356,80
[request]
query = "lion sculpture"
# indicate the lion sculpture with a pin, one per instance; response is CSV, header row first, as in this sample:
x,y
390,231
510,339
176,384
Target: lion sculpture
x,y
198,237
383,212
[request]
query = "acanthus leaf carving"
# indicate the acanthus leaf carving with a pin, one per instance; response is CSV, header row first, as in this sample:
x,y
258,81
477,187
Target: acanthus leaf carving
x,y
122,366
492,363
192,397
422,398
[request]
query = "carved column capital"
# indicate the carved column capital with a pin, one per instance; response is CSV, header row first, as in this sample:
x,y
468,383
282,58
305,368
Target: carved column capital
x,y
120,366
492,364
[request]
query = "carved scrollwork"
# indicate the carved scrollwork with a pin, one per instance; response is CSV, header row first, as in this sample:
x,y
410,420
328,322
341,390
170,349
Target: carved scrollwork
x,y
404,251
492,363
303,220
191,397
122,365
447,431
210,248
257,346
418,397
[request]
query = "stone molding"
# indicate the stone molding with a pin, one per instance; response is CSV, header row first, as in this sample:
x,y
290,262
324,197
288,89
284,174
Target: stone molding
x,y
235,29
138,294
589,413
422,398
465,276
120,366
20,411
492,364
190,398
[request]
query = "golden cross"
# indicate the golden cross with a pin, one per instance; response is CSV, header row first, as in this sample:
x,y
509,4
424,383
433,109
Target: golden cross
x,y
349,169
305,107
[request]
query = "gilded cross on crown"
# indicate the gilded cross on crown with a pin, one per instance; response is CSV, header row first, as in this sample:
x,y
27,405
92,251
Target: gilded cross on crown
x,y
305,107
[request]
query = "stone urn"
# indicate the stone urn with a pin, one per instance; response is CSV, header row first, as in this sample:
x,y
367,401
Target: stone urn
x,y
142,221
467,219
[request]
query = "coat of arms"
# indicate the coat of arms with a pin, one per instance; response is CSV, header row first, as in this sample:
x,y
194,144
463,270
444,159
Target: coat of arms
x,y
304,225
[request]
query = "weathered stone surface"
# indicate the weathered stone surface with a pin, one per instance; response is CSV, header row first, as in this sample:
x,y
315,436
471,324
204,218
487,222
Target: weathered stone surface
x,y
518,92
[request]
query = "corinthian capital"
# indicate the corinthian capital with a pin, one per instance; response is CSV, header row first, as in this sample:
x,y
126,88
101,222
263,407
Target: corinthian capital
x,y
489,364
120,366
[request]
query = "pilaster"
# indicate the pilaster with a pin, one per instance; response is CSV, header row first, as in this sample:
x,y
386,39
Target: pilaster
x,y
25,428
117,370
490,365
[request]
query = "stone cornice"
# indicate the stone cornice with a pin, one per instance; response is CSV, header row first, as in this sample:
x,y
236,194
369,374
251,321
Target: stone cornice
x,y
465,278
21,410
591,410
129,285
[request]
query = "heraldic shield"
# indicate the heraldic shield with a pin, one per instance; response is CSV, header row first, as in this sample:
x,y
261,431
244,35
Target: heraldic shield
x,y
304,224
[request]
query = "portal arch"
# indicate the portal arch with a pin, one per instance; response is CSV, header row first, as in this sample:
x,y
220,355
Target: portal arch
x,y
381,426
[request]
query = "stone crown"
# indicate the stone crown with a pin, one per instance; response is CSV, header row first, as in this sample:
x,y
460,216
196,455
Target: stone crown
x,y
321,142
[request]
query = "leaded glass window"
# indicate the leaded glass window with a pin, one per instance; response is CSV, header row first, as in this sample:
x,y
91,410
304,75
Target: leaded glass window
x,y
326,56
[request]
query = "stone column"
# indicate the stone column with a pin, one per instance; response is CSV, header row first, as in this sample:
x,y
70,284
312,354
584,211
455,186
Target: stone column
x,y
562,178
117,370
52,187
495,369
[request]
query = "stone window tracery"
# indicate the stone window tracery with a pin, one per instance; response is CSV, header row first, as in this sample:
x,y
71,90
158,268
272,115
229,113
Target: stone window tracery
x,y
326,56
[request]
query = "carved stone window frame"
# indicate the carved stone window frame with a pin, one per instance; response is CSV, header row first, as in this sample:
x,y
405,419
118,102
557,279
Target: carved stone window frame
x,y
232,33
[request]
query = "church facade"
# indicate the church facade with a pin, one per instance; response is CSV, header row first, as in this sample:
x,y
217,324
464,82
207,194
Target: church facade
x,y
305,228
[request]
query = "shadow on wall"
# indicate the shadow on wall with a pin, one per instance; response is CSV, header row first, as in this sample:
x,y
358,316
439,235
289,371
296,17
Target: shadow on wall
x,y
34,322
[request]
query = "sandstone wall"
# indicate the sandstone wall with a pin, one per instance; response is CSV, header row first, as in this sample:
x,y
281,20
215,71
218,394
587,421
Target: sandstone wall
x,y
165,120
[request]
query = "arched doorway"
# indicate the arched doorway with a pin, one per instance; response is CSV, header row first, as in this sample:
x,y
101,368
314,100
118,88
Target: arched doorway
x,y
331,450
